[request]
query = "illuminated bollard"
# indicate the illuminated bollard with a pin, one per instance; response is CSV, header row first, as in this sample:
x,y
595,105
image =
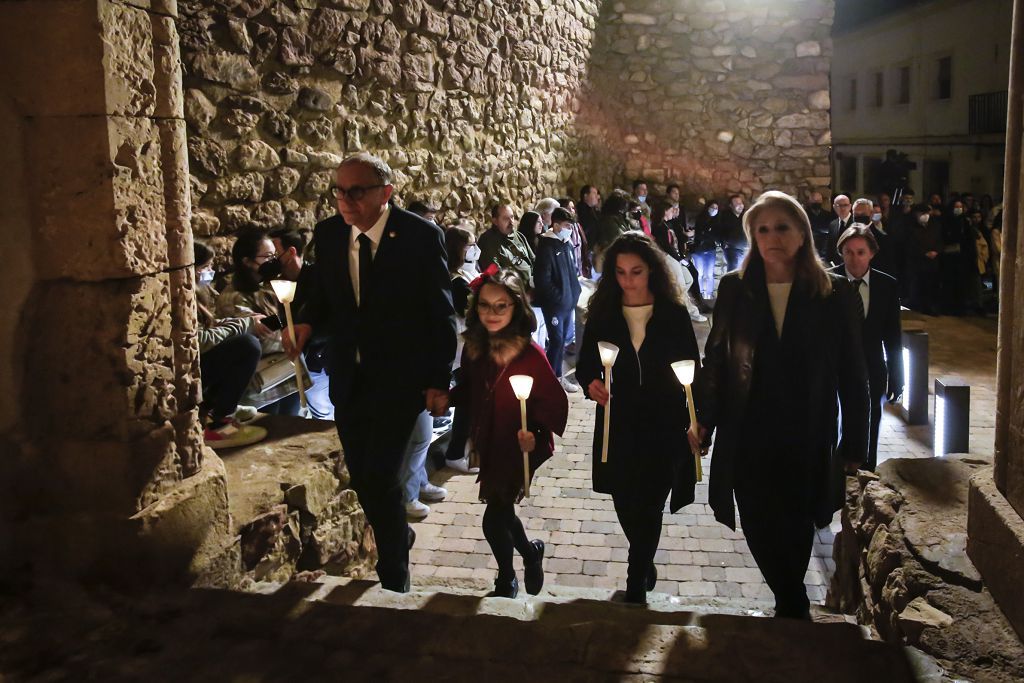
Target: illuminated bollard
x,y
914,407
952,417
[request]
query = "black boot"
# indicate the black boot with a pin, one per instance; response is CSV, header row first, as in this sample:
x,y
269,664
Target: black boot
x,y
506,588
533,571
636,592
652,577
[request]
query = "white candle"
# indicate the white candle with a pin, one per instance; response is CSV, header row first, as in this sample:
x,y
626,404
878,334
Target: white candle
x,y
522,385
285,291
684,370
609,352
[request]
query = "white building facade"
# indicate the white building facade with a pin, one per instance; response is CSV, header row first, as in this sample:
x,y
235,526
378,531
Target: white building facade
x,y
929,82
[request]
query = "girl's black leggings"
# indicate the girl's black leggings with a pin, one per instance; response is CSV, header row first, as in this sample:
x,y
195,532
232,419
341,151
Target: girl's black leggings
x,y
503,532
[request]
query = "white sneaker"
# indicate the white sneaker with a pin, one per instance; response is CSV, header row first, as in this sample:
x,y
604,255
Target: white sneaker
x,y
462,465
432,494
569,386
416,510
245,413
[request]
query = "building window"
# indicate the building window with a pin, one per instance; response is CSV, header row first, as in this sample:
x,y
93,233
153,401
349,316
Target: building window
x,y
879,98
903,85
847,173
853,94
871,175
944,90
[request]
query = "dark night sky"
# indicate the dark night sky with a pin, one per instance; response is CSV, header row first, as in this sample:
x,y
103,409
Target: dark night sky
x,y
852,13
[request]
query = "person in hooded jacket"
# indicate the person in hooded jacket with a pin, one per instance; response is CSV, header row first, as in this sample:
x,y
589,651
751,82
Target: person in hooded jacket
x,y
557,288
638,308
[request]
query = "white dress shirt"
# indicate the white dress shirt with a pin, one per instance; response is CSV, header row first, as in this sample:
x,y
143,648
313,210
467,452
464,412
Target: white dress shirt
x,y
376,233
865,290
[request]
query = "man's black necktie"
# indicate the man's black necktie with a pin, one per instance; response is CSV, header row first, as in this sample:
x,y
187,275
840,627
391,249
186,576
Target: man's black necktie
x,y
857,284
365,264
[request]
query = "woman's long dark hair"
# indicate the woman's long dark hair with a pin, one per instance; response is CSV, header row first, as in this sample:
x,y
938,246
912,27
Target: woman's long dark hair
x,y
522,325
246,246
456,239
607,300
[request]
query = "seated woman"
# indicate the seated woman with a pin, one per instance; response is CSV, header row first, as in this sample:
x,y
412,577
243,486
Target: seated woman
x,y
228,354
253,259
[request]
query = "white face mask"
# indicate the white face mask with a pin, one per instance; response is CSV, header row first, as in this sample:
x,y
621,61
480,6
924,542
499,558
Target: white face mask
x,y
712,212
958,212
641,198
206,277
924,218
876,217
472,253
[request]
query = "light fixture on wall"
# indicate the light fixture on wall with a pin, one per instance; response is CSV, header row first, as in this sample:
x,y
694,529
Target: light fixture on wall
x,y
952,417
914,407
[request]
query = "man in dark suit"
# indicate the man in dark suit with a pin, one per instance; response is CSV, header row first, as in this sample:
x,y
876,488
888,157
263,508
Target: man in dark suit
x,y
382,293
880,299
829,251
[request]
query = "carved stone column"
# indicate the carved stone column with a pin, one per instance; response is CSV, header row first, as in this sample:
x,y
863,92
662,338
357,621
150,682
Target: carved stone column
x,y
102,450
995,527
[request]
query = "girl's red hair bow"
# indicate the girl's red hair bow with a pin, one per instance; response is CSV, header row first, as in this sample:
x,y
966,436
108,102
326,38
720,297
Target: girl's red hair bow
x,y
488,273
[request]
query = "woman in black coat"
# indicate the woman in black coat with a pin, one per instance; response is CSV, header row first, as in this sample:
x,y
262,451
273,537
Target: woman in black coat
x,y
637,308
783,355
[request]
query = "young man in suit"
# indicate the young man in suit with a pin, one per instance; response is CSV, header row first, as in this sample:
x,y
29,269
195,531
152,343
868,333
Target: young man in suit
x,y
382,294
880,299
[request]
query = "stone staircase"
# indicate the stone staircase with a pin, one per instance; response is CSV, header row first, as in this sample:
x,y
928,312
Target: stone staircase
x,y
349,630
449,629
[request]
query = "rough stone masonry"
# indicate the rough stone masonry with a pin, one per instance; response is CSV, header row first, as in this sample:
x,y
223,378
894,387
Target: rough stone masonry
x,y
474,101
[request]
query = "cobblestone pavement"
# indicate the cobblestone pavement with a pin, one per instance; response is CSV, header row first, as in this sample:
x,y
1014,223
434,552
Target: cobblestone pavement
x,y
698,557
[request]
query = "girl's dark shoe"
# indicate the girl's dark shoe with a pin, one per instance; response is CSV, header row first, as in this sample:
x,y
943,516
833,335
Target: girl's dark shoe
x,y
506,588
533,571
635,595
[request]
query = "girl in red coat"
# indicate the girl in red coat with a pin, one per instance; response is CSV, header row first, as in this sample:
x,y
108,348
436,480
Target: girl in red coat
x,y
499,323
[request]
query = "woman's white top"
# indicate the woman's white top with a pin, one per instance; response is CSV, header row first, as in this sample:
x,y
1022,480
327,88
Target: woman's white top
x,y
636,318
778,295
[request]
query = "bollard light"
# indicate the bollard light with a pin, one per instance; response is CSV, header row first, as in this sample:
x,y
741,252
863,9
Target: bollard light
x,y
952,417
914,407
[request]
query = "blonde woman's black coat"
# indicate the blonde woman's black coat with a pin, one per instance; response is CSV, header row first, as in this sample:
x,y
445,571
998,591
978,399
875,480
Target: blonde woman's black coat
x,y
821,342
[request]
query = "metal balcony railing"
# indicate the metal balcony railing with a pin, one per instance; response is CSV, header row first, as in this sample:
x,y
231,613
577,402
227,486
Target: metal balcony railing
x,y
988,112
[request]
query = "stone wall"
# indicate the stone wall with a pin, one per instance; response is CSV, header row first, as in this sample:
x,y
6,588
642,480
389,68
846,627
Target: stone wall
x,y
103,469
902,569
468,101
720,96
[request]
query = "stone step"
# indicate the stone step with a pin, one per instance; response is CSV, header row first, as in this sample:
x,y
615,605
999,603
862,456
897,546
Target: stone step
x,y
447,632
467,597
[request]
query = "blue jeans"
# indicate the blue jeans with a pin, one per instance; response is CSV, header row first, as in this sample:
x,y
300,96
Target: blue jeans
x,y
705,262
413,474
558,324
734,256
318,397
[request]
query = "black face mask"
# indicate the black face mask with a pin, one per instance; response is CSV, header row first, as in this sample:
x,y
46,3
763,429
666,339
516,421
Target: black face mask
x,y
866,220
270,270
815,206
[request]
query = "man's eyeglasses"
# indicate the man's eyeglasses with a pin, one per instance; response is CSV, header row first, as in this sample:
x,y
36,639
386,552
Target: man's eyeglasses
x,y
499,308
354,193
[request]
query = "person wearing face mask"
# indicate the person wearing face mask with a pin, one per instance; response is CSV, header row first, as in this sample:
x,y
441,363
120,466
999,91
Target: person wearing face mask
x,y
255,263
705,250
821,219
640,194
957,261
557,289
864,213
463,257
730,232
228,356
924,243
884,259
